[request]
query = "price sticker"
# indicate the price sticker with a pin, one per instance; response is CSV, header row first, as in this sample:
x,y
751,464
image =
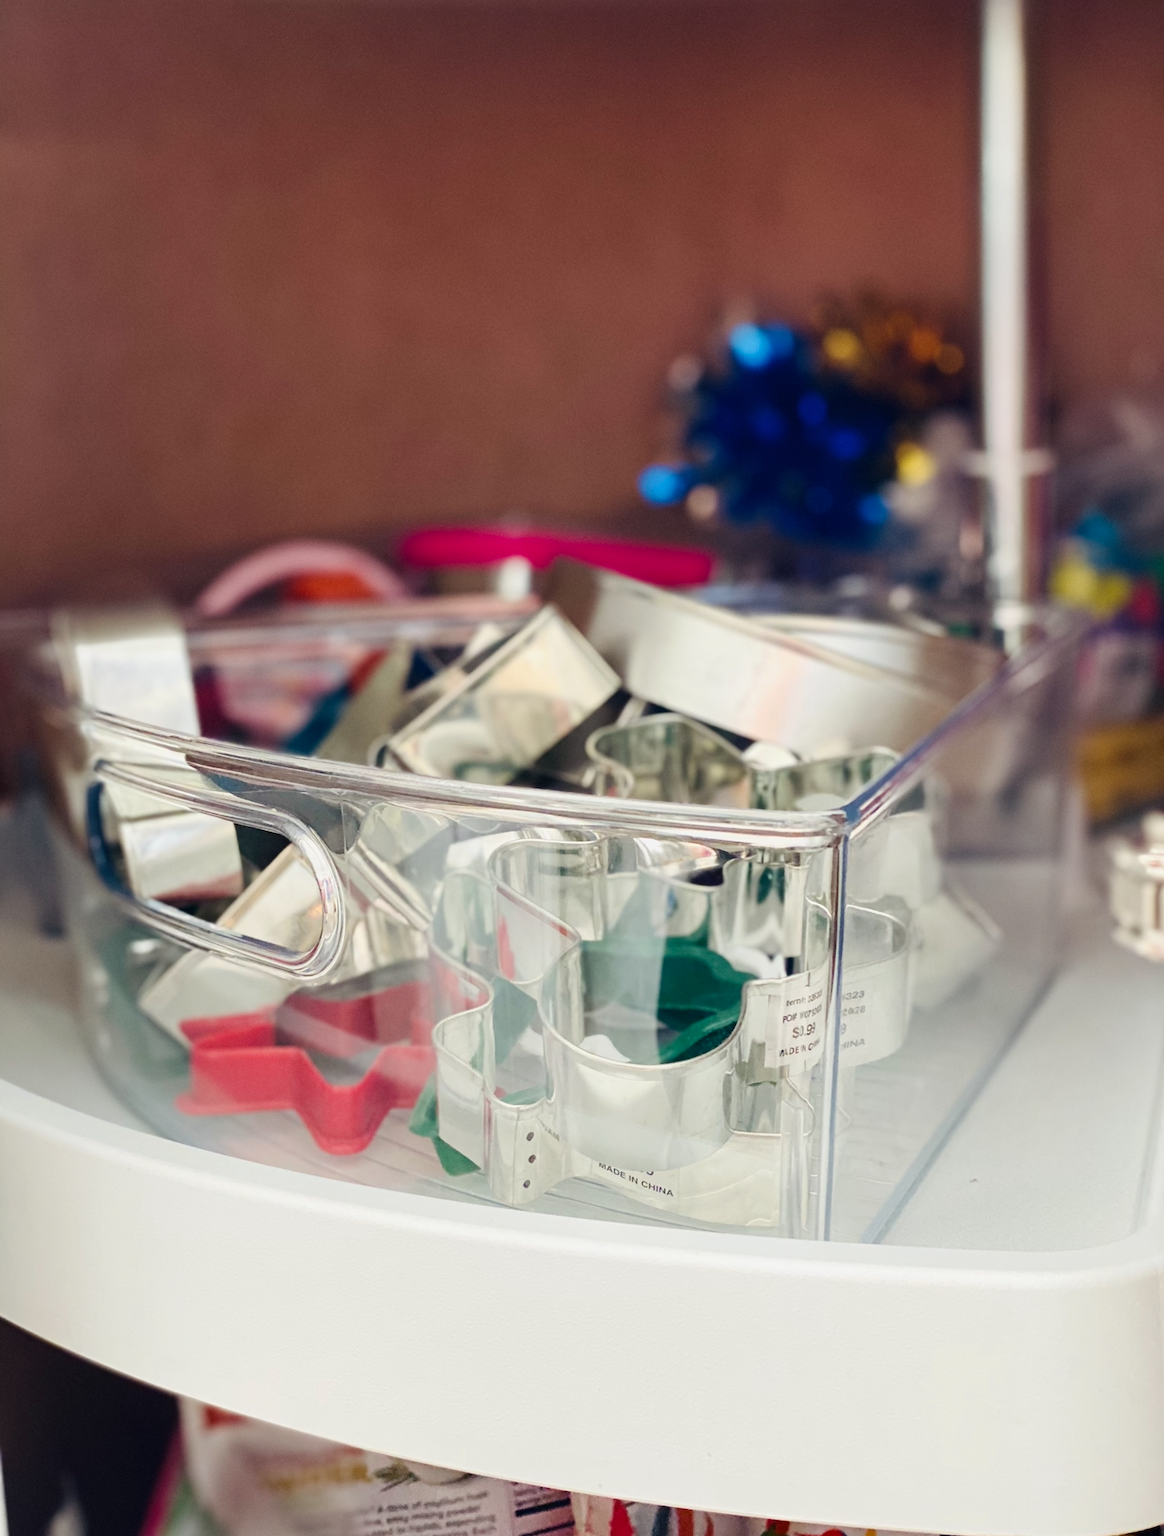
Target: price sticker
x,y
796,1020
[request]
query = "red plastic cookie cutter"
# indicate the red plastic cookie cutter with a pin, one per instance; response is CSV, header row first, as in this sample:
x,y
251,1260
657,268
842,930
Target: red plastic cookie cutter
x,y
249,1062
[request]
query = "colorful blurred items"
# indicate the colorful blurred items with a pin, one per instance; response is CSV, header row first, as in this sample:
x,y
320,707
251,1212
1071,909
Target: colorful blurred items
x,y
174,1509
231,1476
288,701
227,1475
934,538
885,349
594,1516
507,559
1097,572
820,434
1121,767
1094,569
613,1517
800,1528
302,570
1120,753
1111,461
768,438
1110,495
1118,675
291,701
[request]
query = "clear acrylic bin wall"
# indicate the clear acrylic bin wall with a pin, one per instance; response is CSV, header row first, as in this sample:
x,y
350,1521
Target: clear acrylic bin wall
x,y
761,1020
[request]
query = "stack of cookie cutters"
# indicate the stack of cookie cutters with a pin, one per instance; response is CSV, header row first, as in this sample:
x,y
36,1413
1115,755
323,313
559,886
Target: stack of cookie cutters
x,y
581,1090
895,863
492,713
259,1042
798,687
579,1087
465,897
134,663
249,1029
502,707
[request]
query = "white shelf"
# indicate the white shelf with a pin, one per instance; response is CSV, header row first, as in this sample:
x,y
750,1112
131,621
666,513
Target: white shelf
x,y
994,1365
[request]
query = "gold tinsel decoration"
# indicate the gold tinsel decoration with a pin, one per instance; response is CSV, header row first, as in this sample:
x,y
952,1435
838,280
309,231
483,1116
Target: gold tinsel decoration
x,y
889,350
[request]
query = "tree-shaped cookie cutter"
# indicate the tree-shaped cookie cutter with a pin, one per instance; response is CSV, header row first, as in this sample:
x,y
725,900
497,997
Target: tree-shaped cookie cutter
x,y
527,1087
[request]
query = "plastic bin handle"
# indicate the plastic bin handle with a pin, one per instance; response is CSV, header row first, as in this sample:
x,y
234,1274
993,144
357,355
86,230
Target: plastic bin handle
x,y
195,932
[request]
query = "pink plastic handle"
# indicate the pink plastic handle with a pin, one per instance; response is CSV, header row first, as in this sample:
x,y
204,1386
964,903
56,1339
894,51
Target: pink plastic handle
x,y
297,557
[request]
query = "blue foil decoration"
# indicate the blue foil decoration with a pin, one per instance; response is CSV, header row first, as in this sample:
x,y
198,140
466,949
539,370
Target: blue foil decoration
x,y
783,441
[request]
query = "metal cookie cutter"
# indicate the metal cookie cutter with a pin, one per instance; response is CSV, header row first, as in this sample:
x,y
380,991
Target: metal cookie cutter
x,y
739,675
375,1031
668,757
507,708
364,715
757,912
948,662
894,864
280,907
394,868
895,860
397,862
539,1081
876,985
825,783
558,1068
1136,890
762,920
132,662
383,704
257,1044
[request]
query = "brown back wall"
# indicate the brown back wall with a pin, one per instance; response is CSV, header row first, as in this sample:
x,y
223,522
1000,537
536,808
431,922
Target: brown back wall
x,y
303,267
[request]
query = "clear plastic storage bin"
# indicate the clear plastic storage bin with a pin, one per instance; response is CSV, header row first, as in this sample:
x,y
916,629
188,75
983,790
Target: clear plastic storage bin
x,y
715,925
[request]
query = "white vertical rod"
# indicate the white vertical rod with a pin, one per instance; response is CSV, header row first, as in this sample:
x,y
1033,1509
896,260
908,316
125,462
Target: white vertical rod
x,y
1012,563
